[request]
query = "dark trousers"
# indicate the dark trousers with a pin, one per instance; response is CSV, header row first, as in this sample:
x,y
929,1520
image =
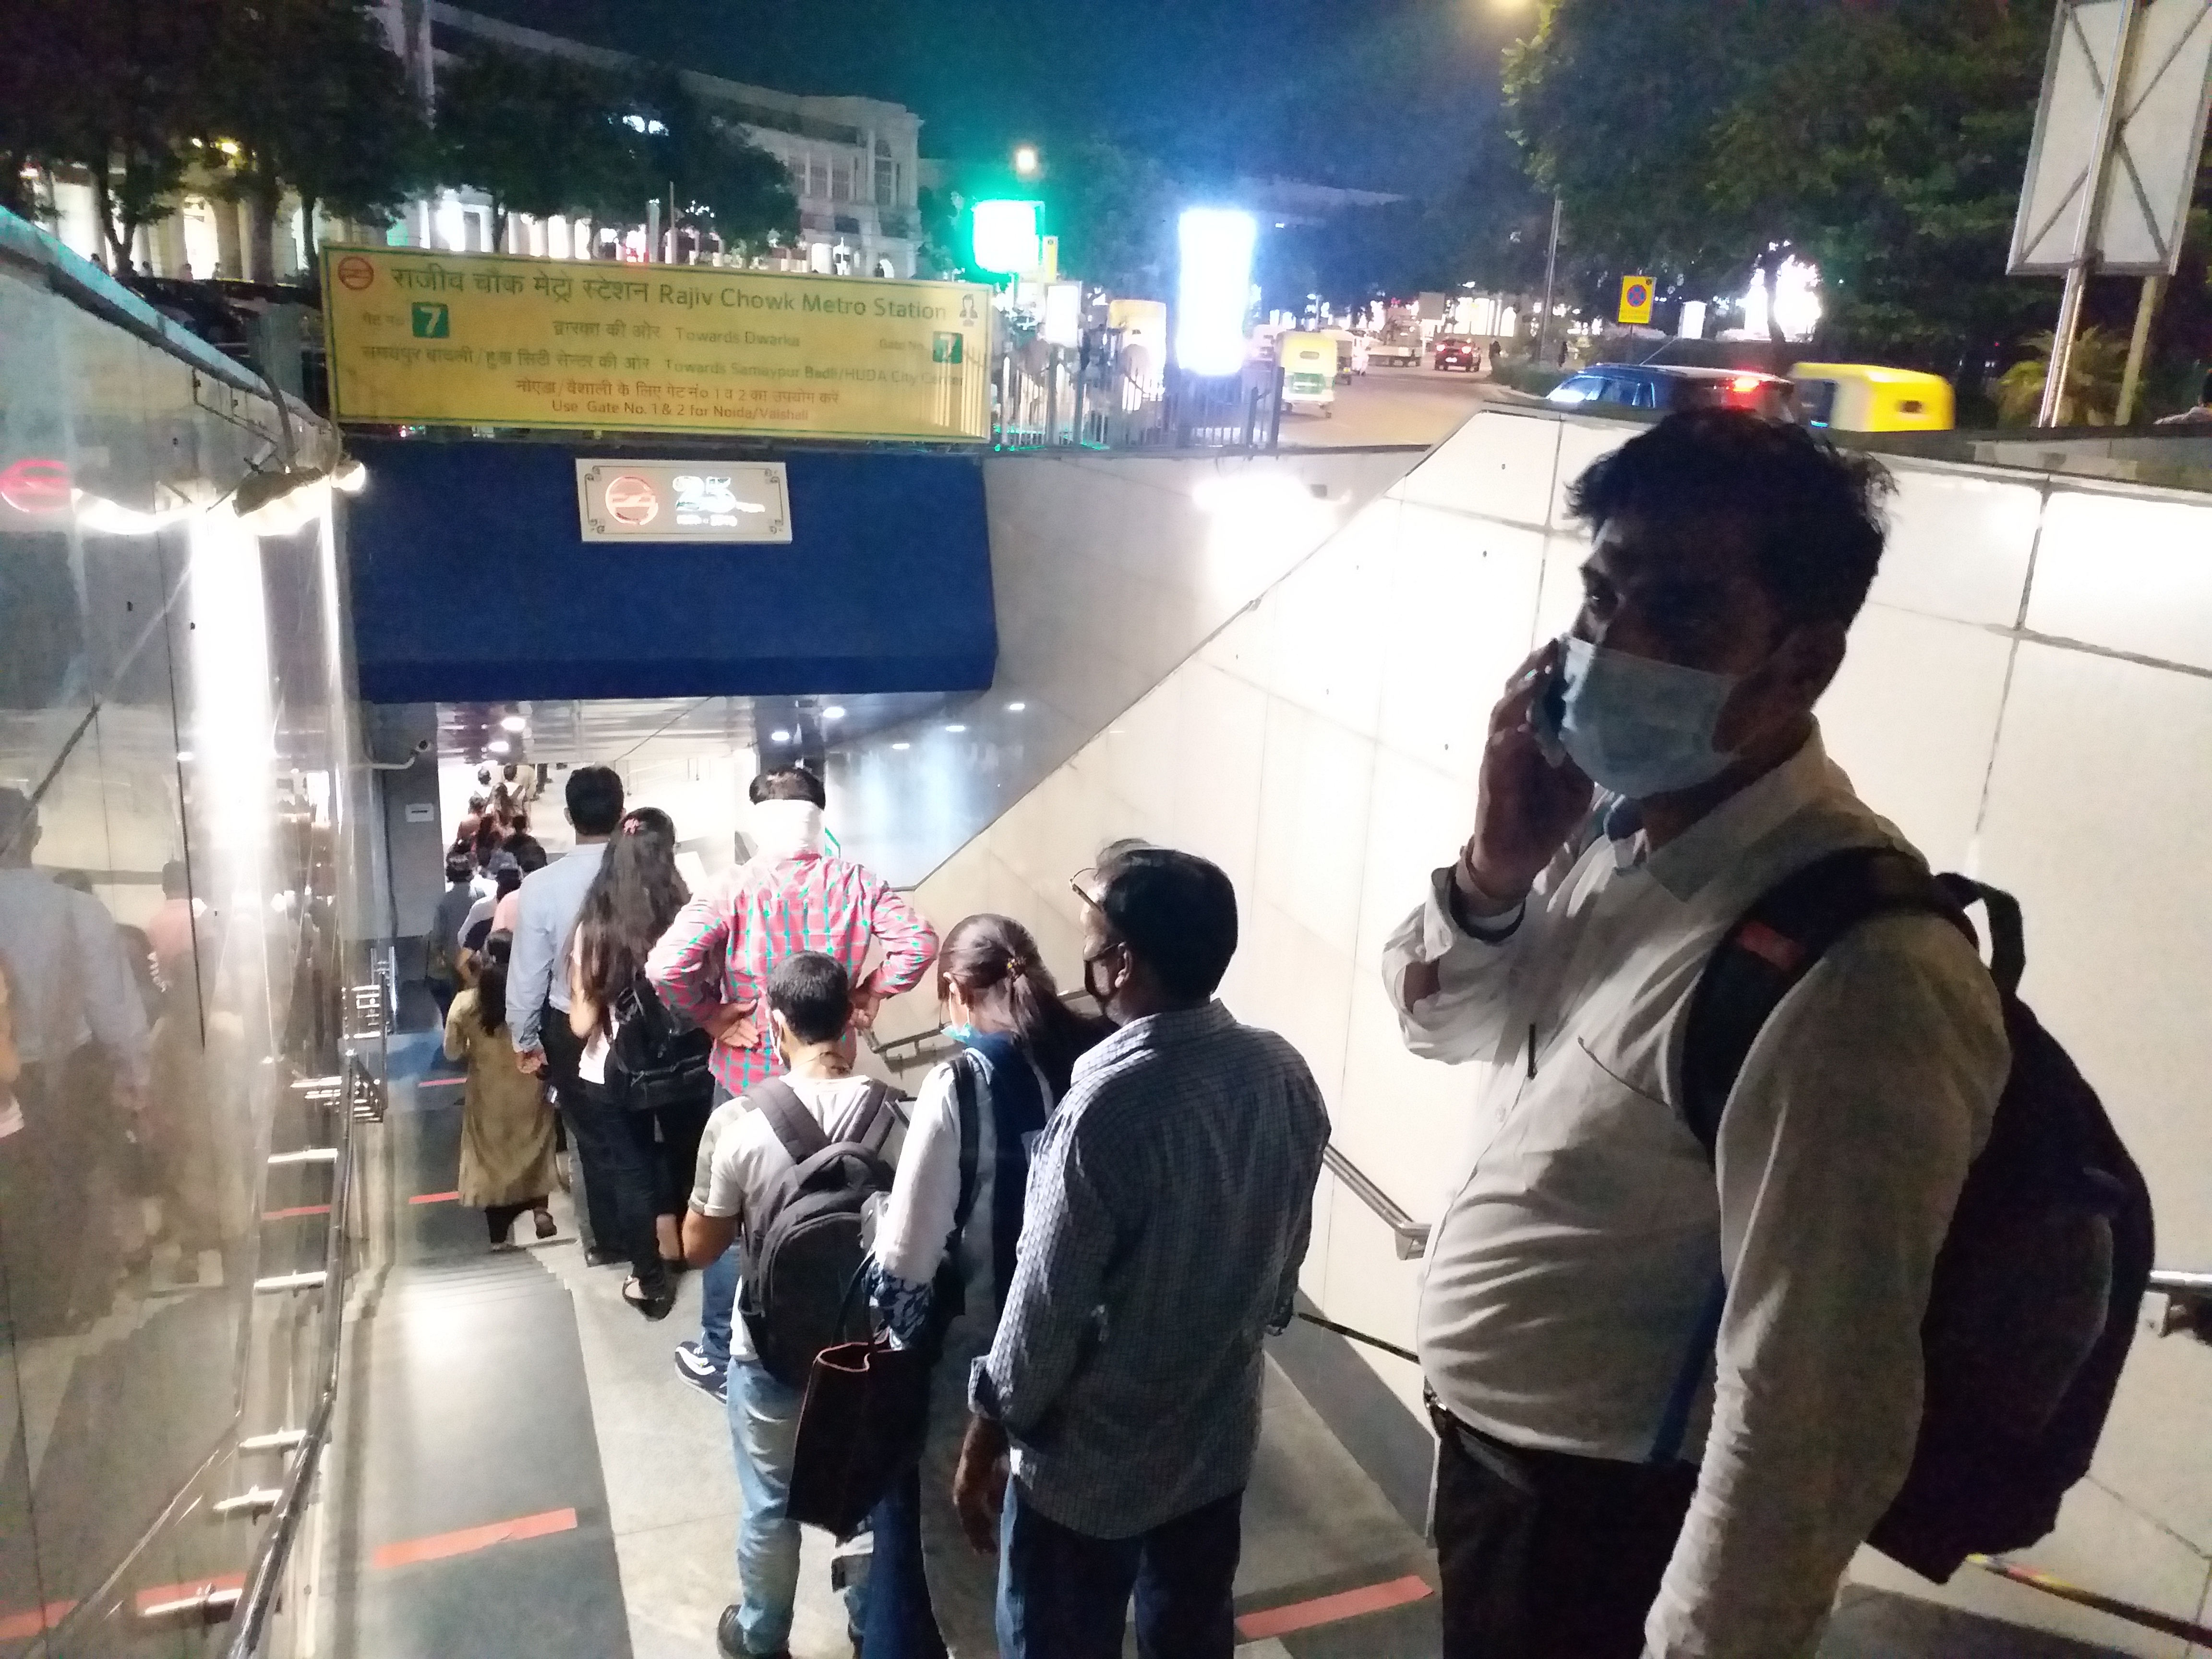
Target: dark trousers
x,y
595,1212
1548,1556
1063,1594
637,1153
625,1177
56,1239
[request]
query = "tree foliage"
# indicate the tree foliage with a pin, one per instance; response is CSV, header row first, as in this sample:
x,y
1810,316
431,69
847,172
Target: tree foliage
x,y
248,98
1885,140
721,182
540,135
544,135
309,98
122,92
1114,212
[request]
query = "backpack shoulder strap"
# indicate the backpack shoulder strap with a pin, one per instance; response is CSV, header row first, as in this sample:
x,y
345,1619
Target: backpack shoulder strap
x,y
788,1115
873,1119
1769,948
964,1067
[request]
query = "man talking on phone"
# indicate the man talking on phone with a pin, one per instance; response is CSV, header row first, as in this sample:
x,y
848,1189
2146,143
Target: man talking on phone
x,y
1675,1390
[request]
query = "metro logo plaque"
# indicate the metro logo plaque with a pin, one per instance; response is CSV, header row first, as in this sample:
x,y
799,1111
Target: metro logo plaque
x,y
689,501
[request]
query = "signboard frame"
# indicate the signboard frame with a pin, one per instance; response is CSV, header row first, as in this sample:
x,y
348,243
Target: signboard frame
x,y
1633,312
2143,170
821,340
766,498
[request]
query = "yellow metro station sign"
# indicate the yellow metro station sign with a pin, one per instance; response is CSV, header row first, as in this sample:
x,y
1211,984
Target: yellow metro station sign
x,y
421,337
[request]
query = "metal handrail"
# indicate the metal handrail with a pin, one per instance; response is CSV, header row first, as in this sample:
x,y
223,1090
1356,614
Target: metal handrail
x,y
2171,1282
264,1576
1411,1236
2147,1618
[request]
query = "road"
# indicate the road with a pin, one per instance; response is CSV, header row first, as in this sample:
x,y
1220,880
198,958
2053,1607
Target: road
x,y
1389,406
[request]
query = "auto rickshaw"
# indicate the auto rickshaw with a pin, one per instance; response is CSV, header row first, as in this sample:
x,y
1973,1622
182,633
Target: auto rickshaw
x,y
1309,372
1866,398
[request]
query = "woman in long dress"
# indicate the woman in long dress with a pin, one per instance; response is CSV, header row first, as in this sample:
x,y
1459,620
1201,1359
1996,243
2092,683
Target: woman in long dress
x,y
506,1124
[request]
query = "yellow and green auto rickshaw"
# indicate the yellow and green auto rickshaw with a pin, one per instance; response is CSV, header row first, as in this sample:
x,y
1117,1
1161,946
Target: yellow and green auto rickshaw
x,y
1867,397
1308,363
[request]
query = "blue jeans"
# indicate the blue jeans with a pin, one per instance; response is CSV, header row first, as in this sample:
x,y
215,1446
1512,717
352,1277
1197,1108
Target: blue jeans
x,y
901,1624
1063,1594
718,1296
718,1284
763,1428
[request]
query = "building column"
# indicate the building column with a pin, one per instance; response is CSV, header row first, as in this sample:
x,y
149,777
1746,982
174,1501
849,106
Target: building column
x,y
169,258
229,243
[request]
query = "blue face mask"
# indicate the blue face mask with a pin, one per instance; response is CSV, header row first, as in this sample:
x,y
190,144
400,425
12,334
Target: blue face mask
x,y
961,1034
1638,727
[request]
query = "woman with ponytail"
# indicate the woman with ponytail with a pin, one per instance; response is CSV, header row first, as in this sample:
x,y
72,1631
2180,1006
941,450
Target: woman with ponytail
x,y
944,1257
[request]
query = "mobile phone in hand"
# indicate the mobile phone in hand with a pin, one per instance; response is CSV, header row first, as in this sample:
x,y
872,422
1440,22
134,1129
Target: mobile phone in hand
x,y
1548,711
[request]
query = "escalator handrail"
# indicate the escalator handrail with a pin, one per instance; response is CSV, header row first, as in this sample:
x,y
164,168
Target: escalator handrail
x,y
1412,1235
267,1575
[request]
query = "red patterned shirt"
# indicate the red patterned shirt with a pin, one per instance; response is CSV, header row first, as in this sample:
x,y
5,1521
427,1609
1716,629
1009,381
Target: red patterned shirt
x,y
723,945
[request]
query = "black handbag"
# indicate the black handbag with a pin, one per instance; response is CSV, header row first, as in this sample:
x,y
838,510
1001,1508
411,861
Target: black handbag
x,y
657,1059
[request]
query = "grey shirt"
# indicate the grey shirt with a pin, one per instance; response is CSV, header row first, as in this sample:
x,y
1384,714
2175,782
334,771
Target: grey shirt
x,y
1170,1205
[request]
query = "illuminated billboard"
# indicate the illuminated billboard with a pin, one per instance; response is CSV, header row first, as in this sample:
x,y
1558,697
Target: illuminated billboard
x,y
1008,242
1214,290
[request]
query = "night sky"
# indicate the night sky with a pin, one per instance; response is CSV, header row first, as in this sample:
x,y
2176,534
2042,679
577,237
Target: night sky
x,y
1374,93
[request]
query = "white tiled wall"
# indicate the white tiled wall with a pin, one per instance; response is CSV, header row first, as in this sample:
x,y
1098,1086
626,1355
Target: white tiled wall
x,y
1322,748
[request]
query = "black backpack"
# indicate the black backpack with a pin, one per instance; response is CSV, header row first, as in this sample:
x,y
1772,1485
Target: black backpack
x,y
803,1247
2049,1254
657,1059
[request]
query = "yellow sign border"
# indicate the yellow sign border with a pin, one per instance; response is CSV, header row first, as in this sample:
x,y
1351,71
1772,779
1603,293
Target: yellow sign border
x,y
332,253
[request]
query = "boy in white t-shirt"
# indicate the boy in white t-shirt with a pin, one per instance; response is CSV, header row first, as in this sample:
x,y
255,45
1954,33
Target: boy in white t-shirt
x,y
809,997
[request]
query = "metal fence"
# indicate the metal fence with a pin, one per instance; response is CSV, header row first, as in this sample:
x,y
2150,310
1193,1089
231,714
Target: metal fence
x,y
1070,404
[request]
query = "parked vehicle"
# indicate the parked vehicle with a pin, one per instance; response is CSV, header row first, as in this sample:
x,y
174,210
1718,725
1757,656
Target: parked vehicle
x,y
1398,350
1867,397
1309,372
1664,386
1455,353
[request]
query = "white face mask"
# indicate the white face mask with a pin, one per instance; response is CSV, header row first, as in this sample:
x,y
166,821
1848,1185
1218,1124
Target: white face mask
x,y
1638,727
785,829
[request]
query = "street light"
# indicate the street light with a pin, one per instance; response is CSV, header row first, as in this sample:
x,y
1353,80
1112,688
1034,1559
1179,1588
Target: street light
x,y
1025,161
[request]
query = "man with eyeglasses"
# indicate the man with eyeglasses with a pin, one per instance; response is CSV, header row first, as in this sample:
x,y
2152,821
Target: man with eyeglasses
x,y
1170,1200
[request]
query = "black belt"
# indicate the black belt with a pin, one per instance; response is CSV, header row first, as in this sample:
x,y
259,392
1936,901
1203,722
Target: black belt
x,y
1511,1464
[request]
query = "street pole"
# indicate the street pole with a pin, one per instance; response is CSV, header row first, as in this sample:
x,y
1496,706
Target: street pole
x,y
2153,290
1551,276
2093,212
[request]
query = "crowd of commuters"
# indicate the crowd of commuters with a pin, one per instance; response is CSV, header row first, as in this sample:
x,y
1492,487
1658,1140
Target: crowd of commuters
x,y
1050,1240
1630,1342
